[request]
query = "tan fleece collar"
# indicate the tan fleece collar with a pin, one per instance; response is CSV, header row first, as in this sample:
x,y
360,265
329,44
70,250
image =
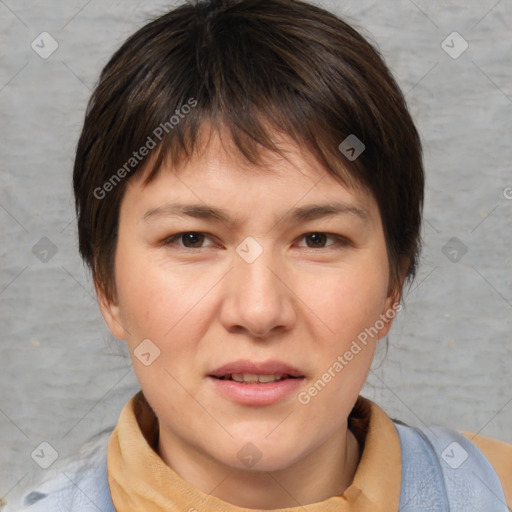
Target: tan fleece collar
x,y
140,480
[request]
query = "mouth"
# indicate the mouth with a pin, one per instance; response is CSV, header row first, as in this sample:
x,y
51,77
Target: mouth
x,y
257,384
249,371
252,378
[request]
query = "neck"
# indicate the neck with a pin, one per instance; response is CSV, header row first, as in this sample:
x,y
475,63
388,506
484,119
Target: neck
x,y
325,472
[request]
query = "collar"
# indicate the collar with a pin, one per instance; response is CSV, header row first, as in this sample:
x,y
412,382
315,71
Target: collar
x,y
140,480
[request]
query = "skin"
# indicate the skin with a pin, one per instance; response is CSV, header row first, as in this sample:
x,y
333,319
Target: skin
x,y
202,305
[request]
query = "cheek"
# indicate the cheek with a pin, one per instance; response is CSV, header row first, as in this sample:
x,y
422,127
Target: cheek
x,y
348,300
150,307
350,304
140,292
161,302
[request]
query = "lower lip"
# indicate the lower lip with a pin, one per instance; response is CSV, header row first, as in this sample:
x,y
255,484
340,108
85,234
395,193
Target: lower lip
x,y
257,393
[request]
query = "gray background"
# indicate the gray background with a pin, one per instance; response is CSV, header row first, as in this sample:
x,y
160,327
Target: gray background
x,y
63,377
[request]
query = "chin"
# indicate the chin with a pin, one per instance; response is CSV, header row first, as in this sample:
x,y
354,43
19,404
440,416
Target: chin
x,y
264,464
259,455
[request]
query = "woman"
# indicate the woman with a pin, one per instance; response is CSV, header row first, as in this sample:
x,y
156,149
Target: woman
x,y
249,188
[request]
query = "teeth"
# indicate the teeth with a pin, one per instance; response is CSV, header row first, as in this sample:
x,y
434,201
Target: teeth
x,y
268,378
250,377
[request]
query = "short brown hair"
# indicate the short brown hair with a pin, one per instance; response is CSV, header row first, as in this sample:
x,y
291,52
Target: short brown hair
x,y
254,68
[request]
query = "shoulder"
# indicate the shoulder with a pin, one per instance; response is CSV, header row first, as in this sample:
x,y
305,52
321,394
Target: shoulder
x,y
81,484
441,466
499,455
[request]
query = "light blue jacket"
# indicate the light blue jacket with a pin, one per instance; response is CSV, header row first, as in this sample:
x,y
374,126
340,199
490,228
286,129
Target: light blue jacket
x,y
442,471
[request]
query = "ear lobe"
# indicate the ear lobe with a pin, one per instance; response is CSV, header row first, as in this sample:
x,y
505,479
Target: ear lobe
x,y
111,312
392,307
388,315
393,299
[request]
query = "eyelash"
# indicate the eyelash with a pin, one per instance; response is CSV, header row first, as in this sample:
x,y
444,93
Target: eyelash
x,y
170,241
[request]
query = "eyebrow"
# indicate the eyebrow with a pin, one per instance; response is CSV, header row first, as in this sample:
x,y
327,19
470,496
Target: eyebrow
x,y
296,215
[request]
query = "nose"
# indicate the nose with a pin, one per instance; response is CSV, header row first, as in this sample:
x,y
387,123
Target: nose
x,y
258,300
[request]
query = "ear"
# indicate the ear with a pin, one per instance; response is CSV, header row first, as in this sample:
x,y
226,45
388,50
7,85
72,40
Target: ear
x,y
388,315
111,312
393,306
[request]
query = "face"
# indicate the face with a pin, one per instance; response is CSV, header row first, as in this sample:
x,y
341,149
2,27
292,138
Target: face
x,y
274,271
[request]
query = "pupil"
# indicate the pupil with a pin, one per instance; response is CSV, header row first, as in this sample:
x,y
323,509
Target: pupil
x,y
193,238
315,237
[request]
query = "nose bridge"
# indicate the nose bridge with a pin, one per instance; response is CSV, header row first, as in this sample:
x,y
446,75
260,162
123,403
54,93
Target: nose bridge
x,y
257,298
257,278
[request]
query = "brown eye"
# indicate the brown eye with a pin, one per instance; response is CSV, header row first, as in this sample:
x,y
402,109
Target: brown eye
x,y
317,239
194,239
188,239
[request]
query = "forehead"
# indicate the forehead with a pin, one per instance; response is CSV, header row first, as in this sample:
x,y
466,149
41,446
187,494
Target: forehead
x,y
217,173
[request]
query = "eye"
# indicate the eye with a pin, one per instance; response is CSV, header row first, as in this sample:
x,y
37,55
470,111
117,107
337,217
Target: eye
x,y
190,239
318,240
195,240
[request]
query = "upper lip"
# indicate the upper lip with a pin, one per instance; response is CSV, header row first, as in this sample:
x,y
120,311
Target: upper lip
x,y
272,367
